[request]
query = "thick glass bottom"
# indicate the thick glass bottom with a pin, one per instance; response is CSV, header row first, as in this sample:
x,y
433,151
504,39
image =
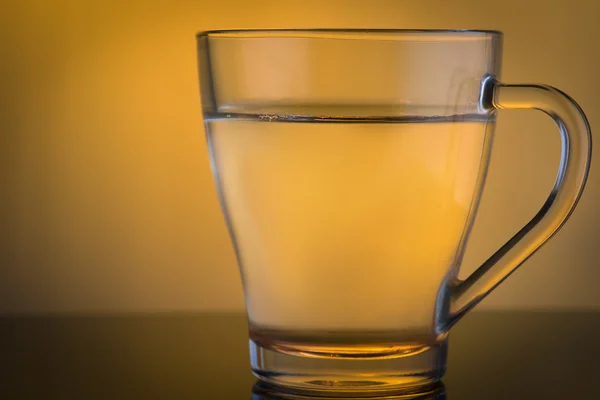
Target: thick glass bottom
x,y
338,376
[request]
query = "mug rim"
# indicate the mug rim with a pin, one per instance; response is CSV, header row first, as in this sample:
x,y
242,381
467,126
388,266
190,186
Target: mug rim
x,y
341,31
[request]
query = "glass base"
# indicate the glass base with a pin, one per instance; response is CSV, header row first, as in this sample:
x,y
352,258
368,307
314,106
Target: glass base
x,y
350,377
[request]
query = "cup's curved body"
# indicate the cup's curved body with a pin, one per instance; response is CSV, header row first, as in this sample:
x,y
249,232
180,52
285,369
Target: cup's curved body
x,y
349,165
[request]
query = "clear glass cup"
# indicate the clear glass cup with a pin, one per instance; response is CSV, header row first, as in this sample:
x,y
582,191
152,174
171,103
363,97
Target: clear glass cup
x,y
349,165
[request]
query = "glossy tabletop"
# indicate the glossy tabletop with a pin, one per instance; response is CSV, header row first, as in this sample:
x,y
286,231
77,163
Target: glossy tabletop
x,y
493,355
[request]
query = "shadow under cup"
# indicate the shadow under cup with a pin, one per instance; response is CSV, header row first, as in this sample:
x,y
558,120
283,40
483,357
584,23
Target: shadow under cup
x,y
349,166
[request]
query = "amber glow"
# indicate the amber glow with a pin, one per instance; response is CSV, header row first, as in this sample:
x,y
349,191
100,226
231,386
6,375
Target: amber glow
x,y
107,194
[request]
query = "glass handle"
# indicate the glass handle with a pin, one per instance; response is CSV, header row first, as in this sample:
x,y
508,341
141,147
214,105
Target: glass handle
x,y
575,160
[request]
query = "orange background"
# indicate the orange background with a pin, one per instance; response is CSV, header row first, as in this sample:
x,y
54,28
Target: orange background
x,y
107,200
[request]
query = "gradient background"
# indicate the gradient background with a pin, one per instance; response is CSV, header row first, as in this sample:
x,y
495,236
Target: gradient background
x,y
106,198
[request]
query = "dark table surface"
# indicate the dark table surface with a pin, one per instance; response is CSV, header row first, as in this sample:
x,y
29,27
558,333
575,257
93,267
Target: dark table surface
x,y
493,355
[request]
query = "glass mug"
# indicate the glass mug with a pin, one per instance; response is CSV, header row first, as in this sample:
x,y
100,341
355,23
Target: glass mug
x,y
349,166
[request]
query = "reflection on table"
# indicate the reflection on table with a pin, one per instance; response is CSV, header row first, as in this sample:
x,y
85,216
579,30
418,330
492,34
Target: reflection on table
x,y
493,355
261,391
